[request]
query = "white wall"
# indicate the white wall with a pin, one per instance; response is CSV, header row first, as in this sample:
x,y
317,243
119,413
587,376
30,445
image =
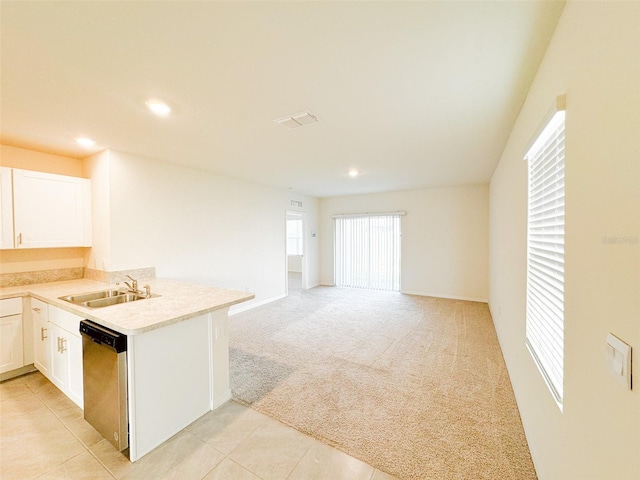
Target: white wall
x,y
25,159
97,168
194,225
595,58
445,238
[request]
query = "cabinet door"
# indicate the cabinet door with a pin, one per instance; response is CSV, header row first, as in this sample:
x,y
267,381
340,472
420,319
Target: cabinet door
x,y
6,209
59,370
51,210
41,336
10,343
66,355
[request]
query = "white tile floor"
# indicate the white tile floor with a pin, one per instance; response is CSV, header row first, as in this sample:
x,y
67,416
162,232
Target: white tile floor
x,y
43,435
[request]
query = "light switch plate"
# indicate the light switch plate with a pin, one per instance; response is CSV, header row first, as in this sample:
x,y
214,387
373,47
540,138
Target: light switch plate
x,y
618,358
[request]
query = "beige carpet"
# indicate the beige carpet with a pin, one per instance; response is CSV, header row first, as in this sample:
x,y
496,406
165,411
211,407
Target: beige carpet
x,y
415,386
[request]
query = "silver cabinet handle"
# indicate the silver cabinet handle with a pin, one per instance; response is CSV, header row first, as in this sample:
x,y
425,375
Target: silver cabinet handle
x,y
43,337
20,239
36,309
62,347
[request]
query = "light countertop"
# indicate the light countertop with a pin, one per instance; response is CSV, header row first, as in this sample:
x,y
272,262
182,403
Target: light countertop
x,y
176,302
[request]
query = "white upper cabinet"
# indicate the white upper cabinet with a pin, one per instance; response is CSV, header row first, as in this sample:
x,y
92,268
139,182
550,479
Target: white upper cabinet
x,y
6,209
51,210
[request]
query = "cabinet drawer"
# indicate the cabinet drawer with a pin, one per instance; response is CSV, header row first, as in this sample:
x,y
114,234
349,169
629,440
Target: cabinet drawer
x,y
10,306
65,320
39,308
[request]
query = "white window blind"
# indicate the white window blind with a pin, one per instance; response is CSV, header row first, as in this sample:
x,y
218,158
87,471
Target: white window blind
x,y
545,253
367,252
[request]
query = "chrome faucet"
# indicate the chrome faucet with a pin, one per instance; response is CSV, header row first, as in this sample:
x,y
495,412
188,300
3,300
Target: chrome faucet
x,y
133,286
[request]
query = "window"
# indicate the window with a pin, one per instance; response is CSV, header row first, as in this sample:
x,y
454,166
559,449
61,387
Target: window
x,y
545,253
294,236
367,251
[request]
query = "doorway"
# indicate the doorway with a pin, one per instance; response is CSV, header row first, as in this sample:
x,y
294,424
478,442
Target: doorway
x,y
295,241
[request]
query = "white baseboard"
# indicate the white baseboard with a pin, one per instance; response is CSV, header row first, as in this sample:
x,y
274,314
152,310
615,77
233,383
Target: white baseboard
x,y
251,305
17,372
436,295
451,297
221,399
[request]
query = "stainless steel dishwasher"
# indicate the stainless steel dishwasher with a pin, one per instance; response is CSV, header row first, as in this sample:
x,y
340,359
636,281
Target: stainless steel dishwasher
x,y
104,363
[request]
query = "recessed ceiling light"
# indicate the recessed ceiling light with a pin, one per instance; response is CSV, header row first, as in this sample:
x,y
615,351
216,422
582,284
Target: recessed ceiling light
x,y
85,142
353,173
158,108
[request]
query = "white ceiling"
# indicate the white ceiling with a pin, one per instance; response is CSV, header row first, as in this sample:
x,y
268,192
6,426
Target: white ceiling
x,y
413,94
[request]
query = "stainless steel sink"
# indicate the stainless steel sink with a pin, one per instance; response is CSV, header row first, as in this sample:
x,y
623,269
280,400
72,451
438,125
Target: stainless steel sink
x,y
105,302
105,298
85,297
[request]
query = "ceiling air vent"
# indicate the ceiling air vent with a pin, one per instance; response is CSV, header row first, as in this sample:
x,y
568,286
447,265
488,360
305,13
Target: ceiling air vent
x,y
297,120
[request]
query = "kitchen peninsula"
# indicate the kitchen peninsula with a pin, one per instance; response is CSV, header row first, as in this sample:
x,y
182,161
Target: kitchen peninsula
x,y
177,353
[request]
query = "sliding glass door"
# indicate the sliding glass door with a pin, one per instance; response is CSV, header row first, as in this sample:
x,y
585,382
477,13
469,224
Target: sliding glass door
x,y
367,251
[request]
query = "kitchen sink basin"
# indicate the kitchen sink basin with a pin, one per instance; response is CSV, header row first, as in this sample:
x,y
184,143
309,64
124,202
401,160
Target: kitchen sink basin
x,y
104,298
105,302
85,297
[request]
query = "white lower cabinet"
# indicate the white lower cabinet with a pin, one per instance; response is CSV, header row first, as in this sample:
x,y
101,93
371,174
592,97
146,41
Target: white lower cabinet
x,y
11,345
41,336
66,353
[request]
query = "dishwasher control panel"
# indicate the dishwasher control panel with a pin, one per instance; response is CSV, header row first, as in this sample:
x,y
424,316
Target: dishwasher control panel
x,y
104,336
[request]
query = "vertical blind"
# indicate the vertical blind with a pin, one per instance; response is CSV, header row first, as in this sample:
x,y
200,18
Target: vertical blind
x,y
367,251
545,254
